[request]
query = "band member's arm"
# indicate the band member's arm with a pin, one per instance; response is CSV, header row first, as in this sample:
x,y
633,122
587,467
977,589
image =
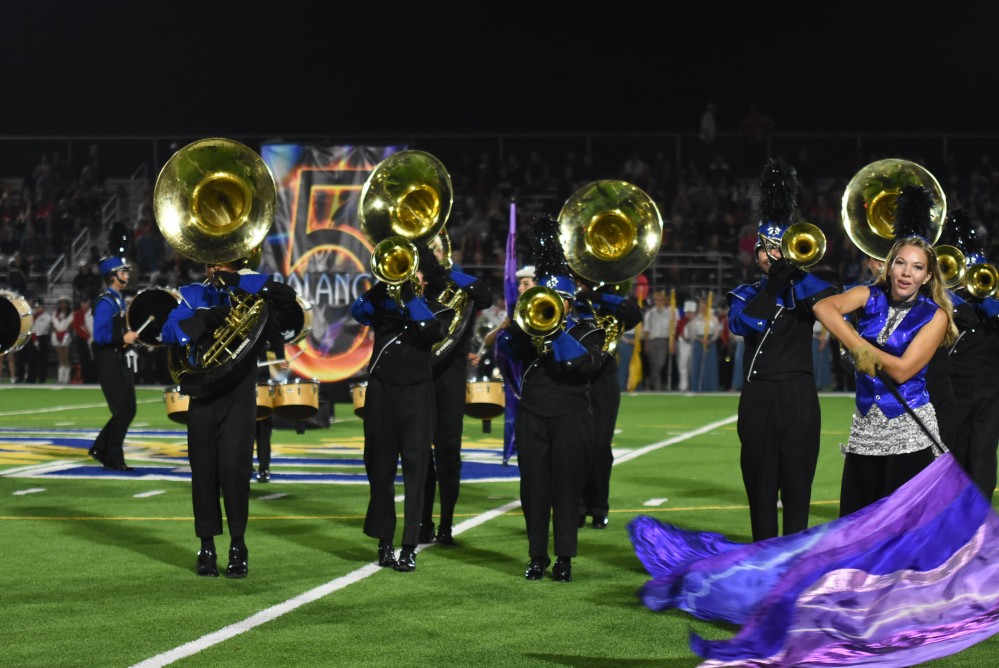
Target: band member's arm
x,y
622,308
368,306
430,326
479,291
830,313
105,331
764,306
580,348
187,324
514,344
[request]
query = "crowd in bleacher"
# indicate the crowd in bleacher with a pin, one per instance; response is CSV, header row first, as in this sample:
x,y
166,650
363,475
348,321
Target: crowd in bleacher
x,y
707,208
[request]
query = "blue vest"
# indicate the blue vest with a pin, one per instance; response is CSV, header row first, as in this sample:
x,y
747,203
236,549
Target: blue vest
x,y
872,391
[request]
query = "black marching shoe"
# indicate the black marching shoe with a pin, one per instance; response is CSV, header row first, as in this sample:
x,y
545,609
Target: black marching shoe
x,y
95,455
562,571
600,521
426,533
264,476
386,556
536,568
208,564
444,536
238,557
407,560
120,467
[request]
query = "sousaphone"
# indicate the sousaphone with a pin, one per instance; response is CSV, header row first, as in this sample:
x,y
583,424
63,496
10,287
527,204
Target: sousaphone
x,y
871,198
214,202
406,201
611,232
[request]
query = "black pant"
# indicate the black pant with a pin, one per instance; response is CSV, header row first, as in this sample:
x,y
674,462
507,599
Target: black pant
x,y
398,422
977,420
263,437
778,427
605,398
869,478
220,432
553,455
118,386
445,465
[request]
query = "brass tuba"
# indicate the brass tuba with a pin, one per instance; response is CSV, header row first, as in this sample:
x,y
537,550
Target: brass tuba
x,y
540,313
409,196
611,232
803,244
214,202
871,197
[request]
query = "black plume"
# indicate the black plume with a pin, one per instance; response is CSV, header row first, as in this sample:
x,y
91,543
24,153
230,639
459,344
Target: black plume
x,y
912,215
961,233
778,192
119,240
433,273
549,256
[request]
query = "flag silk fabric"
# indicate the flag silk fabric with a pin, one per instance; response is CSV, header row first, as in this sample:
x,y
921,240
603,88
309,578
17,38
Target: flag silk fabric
x,y
910,578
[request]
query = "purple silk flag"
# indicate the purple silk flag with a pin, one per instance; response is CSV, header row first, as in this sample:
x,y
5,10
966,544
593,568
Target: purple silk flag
x,y
910,578
510,369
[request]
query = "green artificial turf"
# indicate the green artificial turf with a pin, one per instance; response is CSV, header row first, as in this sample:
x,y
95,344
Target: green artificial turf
x,y
94,571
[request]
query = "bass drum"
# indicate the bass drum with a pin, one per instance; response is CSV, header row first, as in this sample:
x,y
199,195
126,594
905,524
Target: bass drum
x,y
265,400
155,303
16,321
484,399
357,393
296,321
297,399
176,404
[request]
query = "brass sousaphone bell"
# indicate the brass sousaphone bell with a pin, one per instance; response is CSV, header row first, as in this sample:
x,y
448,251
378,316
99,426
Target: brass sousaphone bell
x,y
214,203
871,198
610,230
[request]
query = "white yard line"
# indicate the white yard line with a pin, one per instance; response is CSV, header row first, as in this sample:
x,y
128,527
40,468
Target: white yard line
x,y
273,612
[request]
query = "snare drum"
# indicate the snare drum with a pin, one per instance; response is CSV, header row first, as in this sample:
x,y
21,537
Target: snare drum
x,y
296,399
484,399
16,321
357,393
176,404
265,400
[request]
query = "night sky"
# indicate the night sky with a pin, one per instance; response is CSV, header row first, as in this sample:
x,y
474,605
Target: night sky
x,y
327,69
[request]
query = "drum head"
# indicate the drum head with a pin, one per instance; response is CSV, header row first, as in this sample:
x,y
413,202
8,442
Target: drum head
x,y
151,302
15,321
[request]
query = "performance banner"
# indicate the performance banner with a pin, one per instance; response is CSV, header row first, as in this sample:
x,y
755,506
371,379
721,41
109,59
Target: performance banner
x,y
316,246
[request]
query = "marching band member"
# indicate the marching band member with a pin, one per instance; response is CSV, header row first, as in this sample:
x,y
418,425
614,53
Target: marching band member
x,y
906,317
399,411
975,365
450,377
221,416
595,305
779,414
111,338
554,422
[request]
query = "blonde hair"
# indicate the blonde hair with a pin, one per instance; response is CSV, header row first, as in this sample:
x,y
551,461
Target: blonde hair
x,y
933,288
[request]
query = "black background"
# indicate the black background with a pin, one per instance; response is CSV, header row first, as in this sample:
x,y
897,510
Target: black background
x,y
336,69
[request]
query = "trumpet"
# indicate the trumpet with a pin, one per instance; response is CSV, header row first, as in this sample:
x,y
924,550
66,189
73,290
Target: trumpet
x,y
803,244
982,280
540,313
953,265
